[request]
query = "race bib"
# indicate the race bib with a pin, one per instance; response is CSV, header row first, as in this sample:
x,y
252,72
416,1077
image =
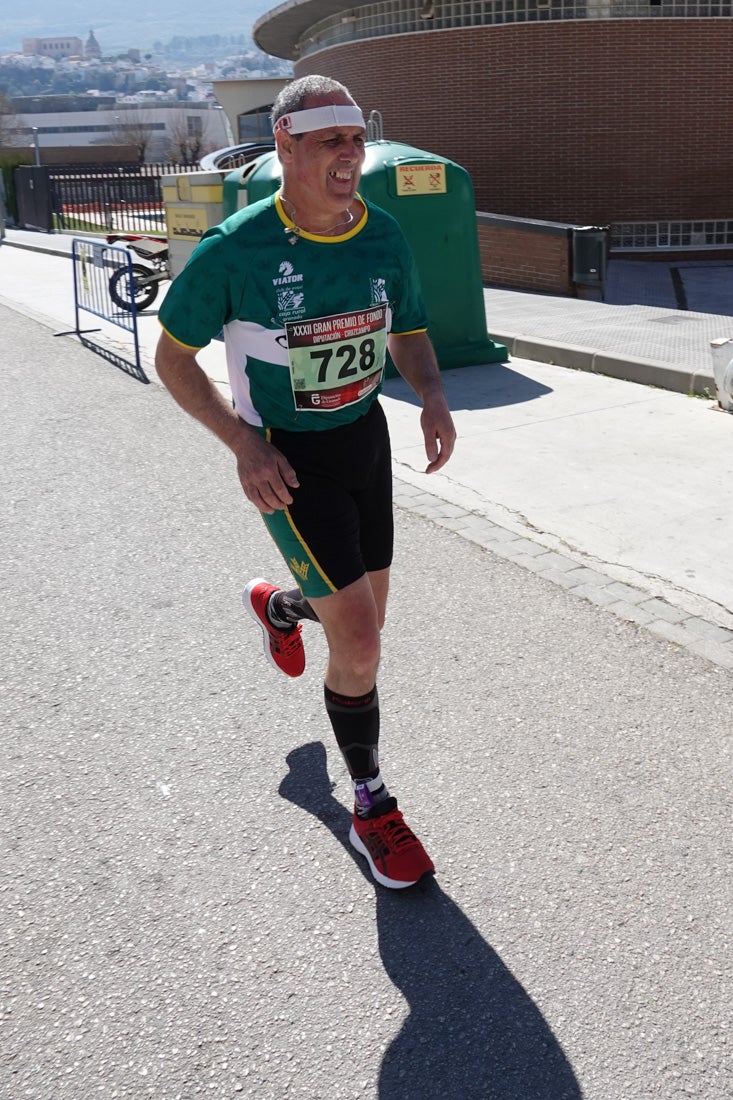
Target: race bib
x,y
336,361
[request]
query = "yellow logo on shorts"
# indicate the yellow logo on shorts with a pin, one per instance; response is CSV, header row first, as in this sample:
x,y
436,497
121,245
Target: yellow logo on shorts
x,y
300,568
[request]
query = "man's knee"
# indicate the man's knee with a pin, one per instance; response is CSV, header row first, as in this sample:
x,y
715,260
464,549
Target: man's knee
x,y
357,648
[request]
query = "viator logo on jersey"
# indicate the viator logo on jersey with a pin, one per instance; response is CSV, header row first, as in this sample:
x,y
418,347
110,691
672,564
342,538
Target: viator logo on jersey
x,y
286,275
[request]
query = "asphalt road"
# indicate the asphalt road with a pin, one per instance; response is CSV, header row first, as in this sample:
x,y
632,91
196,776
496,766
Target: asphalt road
x,y
180,913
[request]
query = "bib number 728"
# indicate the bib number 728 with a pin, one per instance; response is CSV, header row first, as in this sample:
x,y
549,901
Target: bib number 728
x,y
350,359
338,360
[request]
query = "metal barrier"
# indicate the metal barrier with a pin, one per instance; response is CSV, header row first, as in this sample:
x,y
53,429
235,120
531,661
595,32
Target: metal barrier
x,y
94,264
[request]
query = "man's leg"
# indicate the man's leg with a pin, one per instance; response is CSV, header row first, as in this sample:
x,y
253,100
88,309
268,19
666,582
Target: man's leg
x,y
352,705
352,620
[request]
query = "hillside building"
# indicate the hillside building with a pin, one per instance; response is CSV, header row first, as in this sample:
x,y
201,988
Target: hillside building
x,y
56,48
92,49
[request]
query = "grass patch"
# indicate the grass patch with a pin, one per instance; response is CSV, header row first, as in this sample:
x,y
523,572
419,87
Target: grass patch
x,y
70,222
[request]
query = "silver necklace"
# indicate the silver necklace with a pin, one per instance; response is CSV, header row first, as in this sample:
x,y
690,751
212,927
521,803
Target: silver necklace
x,y
293,231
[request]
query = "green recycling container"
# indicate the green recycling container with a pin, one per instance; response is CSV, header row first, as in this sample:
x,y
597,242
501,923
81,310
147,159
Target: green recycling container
x,y
432,199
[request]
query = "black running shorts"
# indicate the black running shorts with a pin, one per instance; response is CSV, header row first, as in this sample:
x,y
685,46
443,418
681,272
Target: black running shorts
x,y
340,524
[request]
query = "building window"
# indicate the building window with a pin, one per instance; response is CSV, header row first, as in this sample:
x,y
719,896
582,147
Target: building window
x,y
255,125
646,236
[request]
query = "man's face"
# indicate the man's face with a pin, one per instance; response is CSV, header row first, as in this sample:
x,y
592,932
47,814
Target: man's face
x,y
322,169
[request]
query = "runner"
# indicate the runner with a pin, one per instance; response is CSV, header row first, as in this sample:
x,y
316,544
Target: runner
x,y
312,287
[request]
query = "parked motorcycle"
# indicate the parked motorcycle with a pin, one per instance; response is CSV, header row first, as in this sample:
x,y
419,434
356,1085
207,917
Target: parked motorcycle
x,y
146,279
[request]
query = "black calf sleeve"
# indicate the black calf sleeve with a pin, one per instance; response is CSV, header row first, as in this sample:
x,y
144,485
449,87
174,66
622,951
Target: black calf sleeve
x,y
355,721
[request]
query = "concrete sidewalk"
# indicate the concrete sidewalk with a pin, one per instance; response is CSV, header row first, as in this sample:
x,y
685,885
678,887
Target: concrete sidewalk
x,y
654,327
652,345
615,490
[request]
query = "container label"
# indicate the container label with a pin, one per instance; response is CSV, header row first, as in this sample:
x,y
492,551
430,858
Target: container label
x,y
420,179
186,223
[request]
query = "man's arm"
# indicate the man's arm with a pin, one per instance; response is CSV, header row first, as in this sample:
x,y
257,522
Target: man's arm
x,y
265,474
414,357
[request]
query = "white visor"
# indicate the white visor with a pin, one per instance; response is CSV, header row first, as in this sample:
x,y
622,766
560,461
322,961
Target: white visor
x,y
320,118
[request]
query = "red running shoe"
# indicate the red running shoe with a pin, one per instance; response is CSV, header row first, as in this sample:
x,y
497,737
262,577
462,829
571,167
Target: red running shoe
x,y
395,856
283,648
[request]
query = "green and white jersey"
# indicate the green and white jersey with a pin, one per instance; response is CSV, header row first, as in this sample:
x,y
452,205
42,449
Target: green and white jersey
x,y
305,324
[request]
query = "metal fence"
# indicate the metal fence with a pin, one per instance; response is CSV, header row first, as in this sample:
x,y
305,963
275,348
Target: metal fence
x,y
94,264
109,197
388,17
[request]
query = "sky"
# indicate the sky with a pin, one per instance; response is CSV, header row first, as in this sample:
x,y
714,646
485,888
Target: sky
x,y
119,27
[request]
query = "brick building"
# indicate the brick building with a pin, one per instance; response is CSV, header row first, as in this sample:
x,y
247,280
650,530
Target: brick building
x,y
609,112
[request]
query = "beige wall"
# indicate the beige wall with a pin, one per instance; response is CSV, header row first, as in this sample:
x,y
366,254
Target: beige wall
x,y
238,96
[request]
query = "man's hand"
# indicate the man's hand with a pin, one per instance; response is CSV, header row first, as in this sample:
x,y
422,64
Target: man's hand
x,y
439,432
265,474
414,358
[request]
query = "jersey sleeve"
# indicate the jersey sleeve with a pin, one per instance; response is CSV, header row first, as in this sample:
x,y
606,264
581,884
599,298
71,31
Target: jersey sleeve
x,y
198,302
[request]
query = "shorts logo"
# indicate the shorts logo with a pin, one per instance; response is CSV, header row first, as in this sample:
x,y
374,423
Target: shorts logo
x,y
299,568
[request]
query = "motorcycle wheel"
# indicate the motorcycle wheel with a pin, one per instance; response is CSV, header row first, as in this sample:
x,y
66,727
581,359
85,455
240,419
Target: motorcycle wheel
x,y
119,287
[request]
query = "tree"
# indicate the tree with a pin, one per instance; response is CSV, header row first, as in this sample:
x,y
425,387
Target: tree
x,y
8,123
185,137
133,127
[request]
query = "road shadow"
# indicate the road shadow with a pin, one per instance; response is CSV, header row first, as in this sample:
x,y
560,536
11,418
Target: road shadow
x,y
128,366
473,1032
491,386
698,286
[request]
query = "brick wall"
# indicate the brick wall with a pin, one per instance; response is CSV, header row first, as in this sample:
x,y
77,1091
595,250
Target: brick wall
x,y
593,121
526,258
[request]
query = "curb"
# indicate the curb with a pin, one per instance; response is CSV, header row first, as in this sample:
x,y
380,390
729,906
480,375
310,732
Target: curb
x,y
632,603
628,368
44,249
